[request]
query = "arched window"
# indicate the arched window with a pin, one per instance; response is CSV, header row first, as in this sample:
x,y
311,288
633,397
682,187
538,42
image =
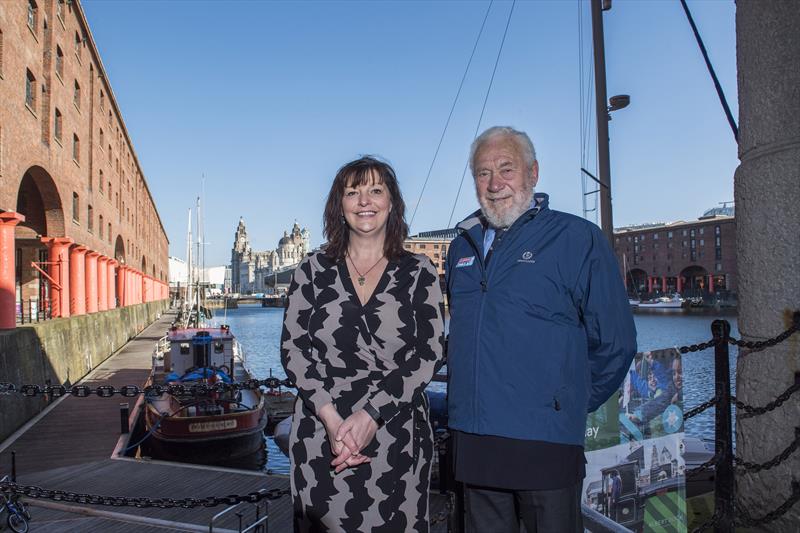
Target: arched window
x,y
100,226
30,90
76,95
78,45
59,62
33,15
75,207
58,125
76,148
90,218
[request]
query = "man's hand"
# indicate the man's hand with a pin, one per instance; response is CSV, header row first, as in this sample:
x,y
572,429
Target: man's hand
x,y
345,449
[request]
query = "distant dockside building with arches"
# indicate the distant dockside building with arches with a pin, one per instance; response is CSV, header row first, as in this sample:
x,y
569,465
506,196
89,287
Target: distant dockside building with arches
x,y
79,230
695,258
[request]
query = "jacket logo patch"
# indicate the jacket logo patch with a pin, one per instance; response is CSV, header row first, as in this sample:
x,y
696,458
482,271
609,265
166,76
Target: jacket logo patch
x,y
465,262
527,257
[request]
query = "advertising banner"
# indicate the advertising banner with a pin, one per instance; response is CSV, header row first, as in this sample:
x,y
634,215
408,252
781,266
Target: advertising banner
x,y
636,472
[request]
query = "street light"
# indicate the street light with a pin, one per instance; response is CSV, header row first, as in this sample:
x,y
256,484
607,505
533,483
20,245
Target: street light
x,y
620,101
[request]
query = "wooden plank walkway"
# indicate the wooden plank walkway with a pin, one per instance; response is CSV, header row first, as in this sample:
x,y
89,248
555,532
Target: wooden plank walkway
x,y
70,447
80,430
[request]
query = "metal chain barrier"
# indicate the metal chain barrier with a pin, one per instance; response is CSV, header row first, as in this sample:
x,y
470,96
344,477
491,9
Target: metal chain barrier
x,y
703,467
32,491
750,411
775,461
700,408
131,391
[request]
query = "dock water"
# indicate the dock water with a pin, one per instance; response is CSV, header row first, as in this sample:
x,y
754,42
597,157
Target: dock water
x,y
70,445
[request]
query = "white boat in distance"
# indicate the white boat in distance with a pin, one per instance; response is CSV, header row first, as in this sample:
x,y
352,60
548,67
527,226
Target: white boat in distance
x,y
665,302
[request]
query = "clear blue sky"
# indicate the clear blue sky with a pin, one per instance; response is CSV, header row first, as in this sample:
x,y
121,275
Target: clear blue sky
x,y
268,99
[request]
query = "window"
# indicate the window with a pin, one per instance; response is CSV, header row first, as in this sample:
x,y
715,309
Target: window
x,y
76,95
33,13
701,231
718,266
691,233
716,230
422,246
90,219
100,226
76,148
718,254
655,236
101,184
75,207
102,100
436,247
702,242
59,62
60,10
109,117
57,128
684,233
109,190
109,232
78,45
30,90
669,234
101,138
109,153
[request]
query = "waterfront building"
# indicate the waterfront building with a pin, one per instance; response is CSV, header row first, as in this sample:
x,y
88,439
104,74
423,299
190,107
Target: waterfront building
x,y
79,229
695,258
434,244
251,270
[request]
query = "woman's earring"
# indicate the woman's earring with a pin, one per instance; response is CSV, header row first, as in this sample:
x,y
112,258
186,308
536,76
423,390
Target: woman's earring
x,y
344,220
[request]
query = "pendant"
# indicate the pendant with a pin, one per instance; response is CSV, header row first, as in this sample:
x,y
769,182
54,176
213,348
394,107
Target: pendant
x,y
361,280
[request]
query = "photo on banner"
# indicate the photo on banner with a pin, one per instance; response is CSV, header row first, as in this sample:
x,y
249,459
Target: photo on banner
x,y
636,473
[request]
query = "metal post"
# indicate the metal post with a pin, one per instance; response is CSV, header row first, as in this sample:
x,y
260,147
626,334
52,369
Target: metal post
x,y
124,413
724,492
13,467
601,108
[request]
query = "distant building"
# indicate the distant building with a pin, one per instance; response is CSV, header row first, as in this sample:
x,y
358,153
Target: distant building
x,y
696,258
250,269
434,244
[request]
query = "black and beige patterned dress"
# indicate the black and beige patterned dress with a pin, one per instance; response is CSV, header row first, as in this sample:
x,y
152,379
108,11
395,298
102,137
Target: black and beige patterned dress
x,y
385,353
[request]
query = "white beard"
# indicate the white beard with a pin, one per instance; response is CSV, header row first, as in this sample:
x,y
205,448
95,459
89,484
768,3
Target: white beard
x,y
520,203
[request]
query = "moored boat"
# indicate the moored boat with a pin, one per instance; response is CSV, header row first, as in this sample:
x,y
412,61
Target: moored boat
x,y
214,424
665,302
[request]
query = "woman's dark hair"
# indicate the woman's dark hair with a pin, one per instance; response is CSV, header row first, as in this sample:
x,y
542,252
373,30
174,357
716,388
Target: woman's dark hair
x,y
355,174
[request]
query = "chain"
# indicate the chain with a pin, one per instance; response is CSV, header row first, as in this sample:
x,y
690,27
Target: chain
x,y
749,410
747,519
32,491
698,347
700,408
778,459
132,391
768,343
703,467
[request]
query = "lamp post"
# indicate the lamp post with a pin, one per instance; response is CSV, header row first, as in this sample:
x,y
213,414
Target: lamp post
x,y
603,109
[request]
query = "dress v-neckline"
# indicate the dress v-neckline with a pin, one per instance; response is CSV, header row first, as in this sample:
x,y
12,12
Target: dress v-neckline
x,y
347,281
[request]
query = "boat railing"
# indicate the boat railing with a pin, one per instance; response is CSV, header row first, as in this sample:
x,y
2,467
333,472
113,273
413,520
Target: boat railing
x,y
260,516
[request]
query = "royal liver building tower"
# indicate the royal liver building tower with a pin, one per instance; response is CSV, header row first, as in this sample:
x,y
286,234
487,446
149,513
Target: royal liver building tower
x,y
250,269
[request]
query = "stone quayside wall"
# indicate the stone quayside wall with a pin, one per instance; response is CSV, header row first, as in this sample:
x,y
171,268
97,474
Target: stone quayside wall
x,y
61,350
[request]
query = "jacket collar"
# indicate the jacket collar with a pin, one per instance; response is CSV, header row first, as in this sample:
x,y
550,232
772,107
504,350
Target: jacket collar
x,y
475,222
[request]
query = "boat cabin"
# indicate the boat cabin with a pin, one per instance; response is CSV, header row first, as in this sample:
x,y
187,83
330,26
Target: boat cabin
x,y
198,348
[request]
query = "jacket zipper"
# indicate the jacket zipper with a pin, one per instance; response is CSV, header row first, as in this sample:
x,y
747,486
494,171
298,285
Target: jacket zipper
x,y
484,289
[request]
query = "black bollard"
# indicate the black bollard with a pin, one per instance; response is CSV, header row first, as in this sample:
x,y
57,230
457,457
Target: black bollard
x,y
13,467
724,491
124,413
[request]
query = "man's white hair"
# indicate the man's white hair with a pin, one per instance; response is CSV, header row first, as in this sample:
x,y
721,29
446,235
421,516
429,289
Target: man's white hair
x,y
521,138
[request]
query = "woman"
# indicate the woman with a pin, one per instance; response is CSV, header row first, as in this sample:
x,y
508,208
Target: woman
x,y
362,337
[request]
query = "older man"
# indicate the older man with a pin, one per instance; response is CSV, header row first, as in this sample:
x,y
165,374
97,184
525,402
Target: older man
x,y
540,334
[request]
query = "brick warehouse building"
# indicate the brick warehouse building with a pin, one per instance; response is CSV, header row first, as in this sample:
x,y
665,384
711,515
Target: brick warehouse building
x,y
696,258
79,230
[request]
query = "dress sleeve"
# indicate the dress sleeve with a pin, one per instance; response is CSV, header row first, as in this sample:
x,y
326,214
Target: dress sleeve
x,y
411,377
299,359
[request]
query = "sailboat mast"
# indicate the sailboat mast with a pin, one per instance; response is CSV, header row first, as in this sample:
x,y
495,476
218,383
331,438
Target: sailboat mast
x,y
189,261
601,108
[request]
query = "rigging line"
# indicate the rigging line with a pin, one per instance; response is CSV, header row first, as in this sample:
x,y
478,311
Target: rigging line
x,y
485,99
452,108
710,68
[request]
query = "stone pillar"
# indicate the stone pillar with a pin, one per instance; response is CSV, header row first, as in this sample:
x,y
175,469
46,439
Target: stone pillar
x,y
111,302
8,271
102,284
77,280
711,283
680,284
767,193
664,284
58,253
649,284
91,281
121,284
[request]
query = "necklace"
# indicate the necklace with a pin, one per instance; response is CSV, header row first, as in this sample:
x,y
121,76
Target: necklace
x,y
362,278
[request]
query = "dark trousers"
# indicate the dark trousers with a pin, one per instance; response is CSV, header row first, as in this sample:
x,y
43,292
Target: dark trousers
x,y
541,511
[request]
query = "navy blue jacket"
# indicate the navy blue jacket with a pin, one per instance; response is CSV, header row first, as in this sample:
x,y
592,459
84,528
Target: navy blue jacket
x,y
541,336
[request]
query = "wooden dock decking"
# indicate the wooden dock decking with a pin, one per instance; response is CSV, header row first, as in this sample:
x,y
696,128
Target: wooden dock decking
x,y
69,448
